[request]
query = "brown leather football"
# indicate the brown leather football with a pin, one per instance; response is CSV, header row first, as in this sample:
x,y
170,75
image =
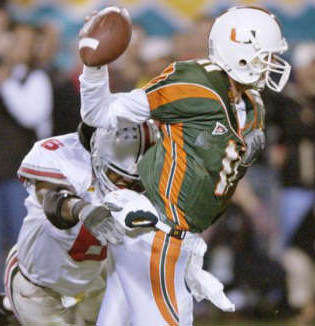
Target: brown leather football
x,y
105,36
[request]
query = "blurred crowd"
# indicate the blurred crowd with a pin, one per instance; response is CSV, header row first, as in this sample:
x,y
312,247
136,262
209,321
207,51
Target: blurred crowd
x,y
264,249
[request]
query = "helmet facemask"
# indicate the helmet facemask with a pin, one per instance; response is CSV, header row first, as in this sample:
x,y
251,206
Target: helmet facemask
x,y
103,184
109,180
272,69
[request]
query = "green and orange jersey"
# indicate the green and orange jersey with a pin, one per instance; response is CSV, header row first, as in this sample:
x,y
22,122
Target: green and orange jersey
x,y
192,172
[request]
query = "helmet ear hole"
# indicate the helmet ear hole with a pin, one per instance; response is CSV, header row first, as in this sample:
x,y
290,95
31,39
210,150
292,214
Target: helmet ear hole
x,y
242,62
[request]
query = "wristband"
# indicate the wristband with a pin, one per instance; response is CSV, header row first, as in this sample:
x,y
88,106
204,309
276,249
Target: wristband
x,y
77,208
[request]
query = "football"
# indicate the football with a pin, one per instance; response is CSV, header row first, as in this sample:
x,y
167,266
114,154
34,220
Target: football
x,y
105,36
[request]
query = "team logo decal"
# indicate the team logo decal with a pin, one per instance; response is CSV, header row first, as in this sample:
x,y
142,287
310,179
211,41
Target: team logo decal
x,y
242,36
219,129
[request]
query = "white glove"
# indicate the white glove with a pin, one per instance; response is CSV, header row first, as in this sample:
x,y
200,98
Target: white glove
x,y
98,220
202,284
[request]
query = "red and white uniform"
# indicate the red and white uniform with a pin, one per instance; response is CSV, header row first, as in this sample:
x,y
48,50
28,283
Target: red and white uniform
x,y
61,267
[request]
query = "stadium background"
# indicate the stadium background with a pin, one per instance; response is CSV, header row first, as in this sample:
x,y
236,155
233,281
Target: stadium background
x,y
161,17
176,29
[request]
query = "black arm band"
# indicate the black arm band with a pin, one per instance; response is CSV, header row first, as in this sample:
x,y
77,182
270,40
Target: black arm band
x,y
52,204
77,208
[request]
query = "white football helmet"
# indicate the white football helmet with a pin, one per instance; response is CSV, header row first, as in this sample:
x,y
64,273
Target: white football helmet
x,y
116,153
244,41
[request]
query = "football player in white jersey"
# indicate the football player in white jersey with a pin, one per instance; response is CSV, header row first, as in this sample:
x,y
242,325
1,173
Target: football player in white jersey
x,y
55,273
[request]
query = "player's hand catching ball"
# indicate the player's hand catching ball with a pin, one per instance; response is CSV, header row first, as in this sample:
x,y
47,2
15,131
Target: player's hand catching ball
x,y
105,36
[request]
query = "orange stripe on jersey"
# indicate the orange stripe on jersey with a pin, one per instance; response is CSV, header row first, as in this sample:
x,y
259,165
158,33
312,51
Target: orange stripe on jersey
x,y
178,91
171,260
166,72
181,165
155,275
173,173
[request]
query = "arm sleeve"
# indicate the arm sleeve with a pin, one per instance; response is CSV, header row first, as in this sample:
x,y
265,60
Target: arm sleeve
x,y
31,102
101,108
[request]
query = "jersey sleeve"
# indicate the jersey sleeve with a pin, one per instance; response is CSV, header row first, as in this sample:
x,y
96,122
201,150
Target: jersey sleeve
x,y
101,108
42,163
181,93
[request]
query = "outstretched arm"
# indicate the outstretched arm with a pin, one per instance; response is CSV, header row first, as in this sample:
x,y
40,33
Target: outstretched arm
x,y
101,108
64,209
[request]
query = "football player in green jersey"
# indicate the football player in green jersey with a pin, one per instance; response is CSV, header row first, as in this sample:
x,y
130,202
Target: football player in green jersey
x,y
212,128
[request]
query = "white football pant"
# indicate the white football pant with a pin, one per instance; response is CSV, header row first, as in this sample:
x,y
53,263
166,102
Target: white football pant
x,y
39,306
150,267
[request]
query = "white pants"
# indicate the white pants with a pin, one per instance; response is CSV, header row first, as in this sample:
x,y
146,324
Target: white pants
x,y
34,305
150,268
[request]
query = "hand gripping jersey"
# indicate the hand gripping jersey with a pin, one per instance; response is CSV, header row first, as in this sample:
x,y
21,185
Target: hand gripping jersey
x,y
192,172
67,261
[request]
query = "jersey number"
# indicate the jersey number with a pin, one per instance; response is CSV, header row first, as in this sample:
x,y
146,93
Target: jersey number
x,y
52,144
87,247
229,171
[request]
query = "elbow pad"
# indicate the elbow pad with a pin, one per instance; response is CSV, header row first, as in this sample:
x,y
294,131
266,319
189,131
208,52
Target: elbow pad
x,y
52,205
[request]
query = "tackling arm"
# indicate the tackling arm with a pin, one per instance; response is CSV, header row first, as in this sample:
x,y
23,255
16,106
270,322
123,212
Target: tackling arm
x,y
59,204
64,210
101,108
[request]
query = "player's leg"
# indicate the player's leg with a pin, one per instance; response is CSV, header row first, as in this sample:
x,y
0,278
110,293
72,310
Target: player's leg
x,y
151,267
167,270
114,308
33,305
38,306
86,311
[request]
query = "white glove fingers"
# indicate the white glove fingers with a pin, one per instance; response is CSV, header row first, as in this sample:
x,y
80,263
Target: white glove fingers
x,y
113,207
101,224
